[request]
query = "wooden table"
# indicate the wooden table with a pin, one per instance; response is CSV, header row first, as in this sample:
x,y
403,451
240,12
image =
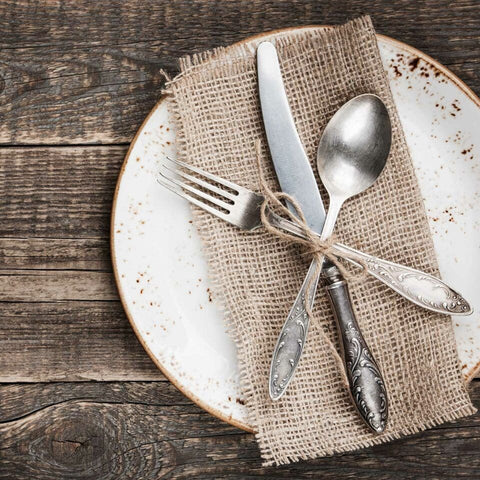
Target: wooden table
x,y
79,397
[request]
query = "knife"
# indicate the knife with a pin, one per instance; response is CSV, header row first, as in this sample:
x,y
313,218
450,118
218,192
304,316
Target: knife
x,y
296,178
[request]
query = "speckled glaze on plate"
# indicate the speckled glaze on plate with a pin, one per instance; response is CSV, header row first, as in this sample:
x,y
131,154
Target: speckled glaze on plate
x,y
162,275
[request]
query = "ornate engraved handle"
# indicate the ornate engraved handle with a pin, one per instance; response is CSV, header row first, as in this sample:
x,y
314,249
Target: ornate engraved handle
x,y
364,377
420,288
416,286
291,341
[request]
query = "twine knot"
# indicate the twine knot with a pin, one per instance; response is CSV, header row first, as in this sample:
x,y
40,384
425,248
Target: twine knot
x,y
314,246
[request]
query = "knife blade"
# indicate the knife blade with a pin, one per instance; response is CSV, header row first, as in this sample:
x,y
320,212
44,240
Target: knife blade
x,y
292,167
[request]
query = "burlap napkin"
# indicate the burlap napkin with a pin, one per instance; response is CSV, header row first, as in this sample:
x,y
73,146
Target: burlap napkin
x,y
256,276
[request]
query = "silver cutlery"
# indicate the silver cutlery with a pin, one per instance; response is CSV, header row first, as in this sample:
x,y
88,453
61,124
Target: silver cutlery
x,y
352,153
240,207
296,178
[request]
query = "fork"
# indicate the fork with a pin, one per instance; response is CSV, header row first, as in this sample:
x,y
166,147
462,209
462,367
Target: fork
x,y
241,207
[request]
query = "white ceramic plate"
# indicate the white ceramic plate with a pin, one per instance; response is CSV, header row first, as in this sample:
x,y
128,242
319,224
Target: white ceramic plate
x,y
162,274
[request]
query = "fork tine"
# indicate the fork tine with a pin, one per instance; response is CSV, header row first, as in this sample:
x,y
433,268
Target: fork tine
x,y
210,176
202,183
165,182
197,192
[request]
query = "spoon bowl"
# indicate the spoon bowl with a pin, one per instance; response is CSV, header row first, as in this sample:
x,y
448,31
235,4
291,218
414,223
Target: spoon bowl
x,y
353,151
354,147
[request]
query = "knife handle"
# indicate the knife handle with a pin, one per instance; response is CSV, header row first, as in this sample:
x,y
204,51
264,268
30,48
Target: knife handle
x,y
364,377
291,340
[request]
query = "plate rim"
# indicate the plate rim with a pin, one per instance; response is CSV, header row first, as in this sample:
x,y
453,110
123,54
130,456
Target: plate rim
x,y
183,389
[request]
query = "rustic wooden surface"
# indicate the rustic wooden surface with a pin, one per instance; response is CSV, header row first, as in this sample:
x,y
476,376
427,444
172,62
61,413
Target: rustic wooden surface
x,y
79,398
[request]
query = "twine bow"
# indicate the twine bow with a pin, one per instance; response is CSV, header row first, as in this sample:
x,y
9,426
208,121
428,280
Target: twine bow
x,y
315,247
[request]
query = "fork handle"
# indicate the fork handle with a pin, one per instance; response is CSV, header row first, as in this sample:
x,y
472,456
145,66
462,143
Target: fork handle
x,y
365,380
418,287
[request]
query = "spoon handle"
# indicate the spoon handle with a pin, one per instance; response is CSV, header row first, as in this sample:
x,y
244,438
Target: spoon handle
x,y
292,338
364,377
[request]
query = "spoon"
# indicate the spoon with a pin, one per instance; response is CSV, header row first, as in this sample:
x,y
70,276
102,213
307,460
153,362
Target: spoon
x,y
351,155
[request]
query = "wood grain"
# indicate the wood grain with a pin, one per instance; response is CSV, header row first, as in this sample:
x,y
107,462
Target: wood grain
x,y
149,431
88,72
55,253
48,286
60,315
70,340
58,192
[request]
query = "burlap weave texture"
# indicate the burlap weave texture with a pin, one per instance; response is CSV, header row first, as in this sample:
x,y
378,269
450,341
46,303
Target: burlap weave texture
x,y
256,276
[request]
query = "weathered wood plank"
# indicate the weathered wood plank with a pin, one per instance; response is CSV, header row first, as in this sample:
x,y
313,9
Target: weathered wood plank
x,y
55,254
48,286
58,192
146,430
70,340
52,326
21,399
88,72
